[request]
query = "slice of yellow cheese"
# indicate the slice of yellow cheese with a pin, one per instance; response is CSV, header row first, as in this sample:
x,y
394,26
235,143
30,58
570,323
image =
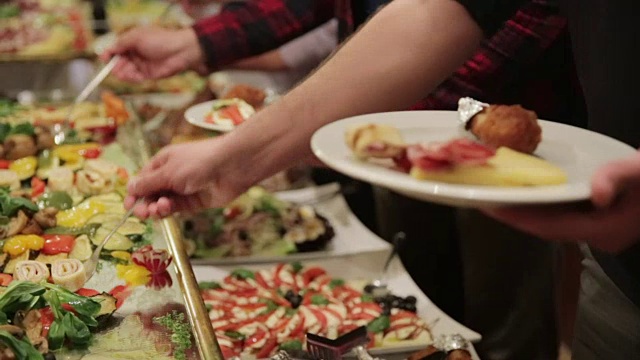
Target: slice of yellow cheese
x,y
506,168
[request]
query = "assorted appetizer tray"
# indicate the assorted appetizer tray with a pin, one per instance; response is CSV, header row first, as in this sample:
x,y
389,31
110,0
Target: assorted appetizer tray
x,y
262,227
36,30
294,298
57,203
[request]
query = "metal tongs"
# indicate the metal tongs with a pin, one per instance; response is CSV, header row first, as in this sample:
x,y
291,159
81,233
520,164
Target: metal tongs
x,y
60,130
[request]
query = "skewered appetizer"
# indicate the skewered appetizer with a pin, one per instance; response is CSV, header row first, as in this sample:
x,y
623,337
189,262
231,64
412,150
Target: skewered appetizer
x,y
258,224
257,313
458,161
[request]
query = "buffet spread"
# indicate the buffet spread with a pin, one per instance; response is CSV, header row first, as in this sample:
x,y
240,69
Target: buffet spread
x,y
269,274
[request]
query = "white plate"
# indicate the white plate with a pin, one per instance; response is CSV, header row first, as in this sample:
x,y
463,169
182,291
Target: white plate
x,y
351,236
196,115
579,152
363,267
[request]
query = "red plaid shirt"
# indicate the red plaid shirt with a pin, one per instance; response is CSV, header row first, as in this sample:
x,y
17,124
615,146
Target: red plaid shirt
x,y
508,68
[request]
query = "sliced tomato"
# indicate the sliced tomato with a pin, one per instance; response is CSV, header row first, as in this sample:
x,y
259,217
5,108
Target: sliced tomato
x,y
58,244
232,113
372,341
46,318
402,314
87,292
37,187
362,316
276,275
260,280
322,319
298,331
92,153
312,273
227,352
121,293
268,347
334,313
258,336
5,279
4,164
346,328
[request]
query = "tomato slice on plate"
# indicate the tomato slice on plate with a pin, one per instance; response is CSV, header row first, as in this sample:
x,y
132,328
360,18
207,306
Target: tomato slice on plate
x,y
232,112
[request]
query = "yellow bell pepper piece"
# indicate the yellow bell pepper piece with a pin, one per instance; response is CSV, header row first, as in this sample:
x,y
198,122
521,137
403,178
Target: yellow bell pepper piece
x,y
77,216
18,244
134,275
122,255
73,153
25,167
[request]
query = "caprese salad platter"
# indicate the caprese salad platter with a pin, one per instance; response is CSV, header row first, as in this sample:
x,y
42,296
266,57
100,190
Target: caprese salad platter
x,y
57,203
261,312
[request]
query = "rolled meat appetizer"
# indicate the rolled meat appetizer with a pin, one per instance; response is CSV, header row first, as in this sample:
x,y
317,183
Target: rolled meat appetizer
x,y
68,273
29,270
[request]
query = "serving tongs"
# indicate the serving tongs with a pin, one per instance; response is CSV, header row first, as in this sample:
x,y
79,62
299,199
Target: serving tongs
x,y
60,130
91,265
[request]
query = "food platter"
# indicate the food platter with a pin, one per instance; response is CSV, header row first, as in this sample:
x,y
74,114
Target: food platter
x,y
55,32
351,236
149,304
577,151
360,269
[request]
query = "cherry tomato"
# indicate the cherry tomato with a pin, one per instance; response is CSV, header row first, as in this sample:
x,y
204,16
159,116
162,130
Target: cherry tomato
x,y
87,292
37,187
5,279
92,153
56,244
4,164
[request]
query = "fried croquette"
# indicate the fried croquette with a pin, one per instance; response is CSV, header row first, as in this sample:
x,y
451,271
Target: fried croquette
x,y
510,126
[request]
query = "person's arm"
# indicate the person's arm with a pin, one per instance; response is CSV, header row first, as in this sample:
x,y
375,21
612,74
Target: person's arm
x,y
241,30
249,28
404,52
303,53
373,72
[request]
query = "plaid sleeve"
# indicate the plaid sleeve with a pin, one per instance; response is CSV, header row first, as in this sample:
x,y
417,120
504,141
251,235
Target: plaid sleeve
x,y
491,14
248,28
520,43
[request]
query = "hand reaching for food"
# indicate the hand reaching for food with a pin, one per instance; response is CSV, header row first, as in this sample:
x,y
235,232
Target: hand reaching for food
x,y
153,53
186,178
